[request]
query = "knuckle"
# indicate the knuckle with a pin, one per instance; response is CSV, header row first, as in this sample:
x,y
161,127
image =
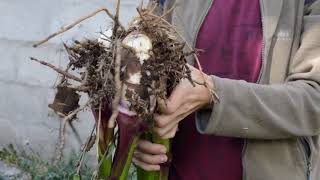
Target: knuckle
x,y
170,109
160,133
149,168
154,149
151,159
143,145
161,123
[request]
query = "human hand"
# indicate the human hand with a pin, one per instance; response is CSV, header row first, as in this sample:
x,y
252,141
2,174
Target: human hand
x,y
149,156
184,100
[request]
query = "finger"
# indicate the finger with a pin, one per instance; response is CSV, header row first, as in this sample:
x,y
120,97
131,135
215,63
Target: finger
x,y
162,105
150,159
171,133
151,148
161,131
163,125
170,105
145,166
162,121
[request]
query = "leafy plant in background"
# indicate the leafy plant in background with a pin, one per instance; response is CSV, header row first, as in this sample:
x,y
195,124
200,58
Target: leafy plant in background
x,y
40,169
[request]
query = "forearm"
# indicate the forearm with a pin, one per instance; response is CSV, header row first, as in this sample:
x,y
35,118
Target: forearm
x,y
250,110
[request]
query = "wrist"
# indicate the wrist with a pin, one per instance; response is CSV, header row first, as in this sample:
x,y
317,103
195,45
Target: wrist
x,y
205,97
209,92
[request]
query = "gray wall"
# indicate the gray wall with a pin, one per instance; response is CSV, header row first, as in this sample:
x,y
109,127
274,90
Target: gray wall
x,y
26,88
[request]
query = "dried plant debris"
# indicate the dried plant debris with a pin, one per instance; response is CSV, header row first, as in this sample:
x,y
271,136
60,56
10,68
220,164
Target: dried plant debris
x,y
152,64
124,72
65,101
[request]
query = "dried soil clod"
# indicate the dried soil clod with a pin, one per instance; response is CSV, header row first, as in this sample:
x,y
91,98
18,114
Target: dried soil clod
x,y
66,100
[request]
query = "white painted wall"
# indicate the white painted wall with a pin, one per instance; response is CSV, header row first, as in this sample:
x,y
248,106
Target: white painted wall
x,y
26,88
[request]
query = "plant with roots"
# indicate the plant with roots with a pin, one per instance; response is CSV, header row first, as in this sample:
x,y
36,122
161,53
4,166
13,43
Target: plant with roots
x,y
126,74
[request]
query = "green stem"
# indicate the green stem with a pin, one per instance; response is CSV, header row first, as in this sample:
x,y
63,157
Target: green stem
x,y
164,171
126,169
105,161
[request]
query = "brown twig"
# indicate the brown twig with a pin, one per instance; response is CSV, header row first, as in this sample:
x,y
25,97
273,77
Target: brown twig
x,y
66,119
152,8
64,29
75,132
141,4
116,19
117,9
118,85
56,69
98,129
166,13
84,150
80,88
62,141
183,39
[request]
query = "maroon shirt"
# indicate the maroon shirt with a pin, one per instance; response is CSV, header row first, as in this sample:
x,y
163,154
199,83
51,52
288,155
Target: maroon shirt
x,y
232,39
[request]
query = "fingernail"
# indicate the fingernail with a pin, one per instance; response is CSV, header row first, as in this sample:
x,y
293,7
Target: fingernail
x,y
164,158
157,168
163,150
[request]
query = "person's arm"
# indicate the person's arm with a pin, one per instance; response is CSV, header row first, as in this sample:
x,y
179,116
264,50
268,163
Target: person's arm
x,y
272,111
250,110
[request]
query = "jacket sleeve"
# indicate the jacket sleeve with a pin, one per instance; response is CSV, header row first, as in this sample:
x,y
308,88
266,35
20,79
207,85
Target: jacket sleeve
x,y
257,111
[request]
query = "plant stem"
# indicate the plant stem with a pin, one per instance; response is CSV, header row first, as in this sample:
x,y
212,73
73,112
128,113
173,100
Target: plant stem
x,y
64,29
163,174
130,129
60,71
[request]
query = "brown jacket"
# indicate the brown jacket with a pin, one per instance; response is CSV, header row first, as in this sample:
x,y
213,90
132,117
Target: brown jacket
x,y
281,112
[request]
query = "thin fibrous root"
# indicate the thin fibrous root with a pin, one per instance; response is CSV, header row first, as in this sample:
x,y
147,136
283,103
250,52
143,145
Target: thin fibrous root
x,y
215,96
75,132
80,88
66,119
140,4
64,29
66,74
117,9
166,13
191,49
116,19
152,8
118,85
84,150
98,129
212,92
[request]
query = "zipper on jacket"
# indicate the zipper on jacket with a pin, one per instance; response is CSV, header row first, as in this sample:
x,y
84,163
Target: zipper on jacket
x,y
262,70
307,156
244,175
244,148
309,170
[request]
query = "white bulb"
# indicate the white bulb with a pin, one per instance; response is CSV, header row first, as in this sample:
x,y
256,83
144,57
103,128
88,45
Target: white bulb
x,y
141,44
